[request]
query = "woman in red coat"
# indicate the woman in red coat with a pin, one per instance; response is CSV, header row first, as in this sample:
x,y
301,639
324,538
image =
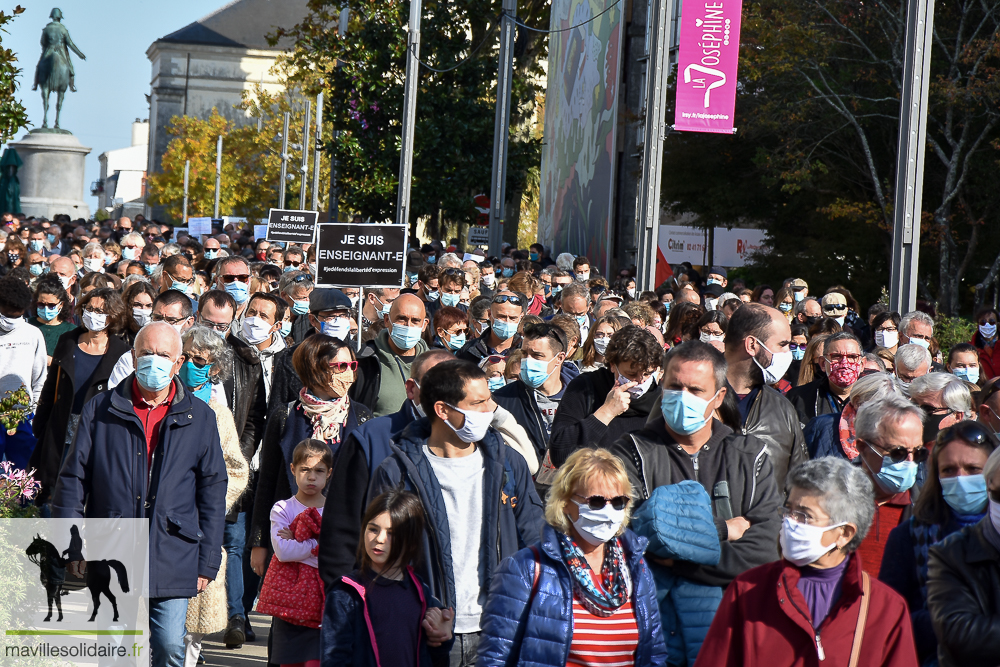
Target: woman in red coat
x,y
985,340
804,610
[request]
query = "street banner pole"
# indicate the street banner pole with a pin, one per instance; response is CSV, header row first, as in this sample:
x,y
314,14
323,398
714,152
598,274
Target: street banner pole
x,y
648,201
305,154
910,156
501,131
187,173
317,147
284,162
218,174
409,114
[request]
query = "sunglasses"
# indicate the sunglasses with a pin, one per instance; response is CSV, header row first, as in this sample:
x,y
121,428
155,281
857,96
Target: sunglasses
x,y
341,366
900,454
492,359
507,298
990,321
971,432
618,503
798,346
230,278
835,308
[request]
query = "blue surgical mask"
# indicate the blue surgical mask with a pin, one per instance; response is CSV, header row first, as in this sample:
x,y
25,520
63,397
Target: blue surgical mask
x,y
405,337
130,253
456,342
36,269
965,494
684,412
289,268
713,281
300,307
967,374
450,299
192,376
149,267
48,313
153,372
412,277
582,319
535,372
533,256
181,287
240,291
504,329
896,477
555,290
798,355
211,254
926,344
799,295
338,327
51,238
432,260
506,272
37,245
286,328
667,305
496,383
433,296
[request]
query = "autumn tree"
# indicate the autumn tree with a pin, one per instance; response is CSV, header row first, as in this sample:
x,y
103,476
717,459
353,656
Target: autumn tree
x,y
13,117
251,161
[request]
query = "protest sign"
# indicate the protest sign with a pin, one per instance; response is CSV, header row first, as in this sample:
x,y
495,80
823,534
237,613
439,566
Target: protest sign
x,y
360,255
291,226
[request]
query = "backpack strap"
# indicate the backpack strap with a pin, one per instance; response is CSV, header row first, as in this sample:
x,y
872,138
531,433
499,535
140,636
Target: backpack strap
x,y
859,631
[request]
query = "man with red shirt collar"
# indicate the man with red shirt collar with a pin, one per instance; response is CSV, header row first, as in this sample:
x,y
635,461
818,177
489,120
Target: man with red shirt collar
x,y
889,436
147,449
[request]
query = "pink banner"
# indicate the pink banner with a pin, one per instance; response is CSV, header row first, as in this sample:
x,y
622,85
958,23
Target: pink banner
x,y
707,63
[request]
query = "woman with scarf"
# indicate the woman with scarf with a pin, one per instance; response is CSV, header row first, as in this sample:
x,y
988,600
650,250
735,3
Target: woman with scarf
x,y
323,411
557,602
953,497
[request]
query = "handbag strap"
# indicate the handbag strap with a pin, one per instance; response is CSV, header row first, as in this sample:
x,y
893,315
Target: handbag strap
x,y
859,631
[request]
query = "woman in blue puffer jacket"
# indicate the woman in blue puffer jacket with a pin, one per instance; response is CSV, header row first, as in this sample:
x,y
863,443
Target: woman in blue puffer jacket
x,y
555,604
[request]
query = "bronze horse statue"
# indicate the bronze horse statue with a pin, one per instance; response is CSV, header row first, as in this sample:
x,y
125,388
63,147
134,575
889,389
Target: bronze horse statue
x,y
53,576
54,72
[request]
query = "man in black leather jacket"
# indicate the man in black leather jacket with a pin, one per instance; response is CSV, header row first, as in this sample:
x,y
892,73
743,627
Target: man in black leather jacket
x,y
757,348
734,469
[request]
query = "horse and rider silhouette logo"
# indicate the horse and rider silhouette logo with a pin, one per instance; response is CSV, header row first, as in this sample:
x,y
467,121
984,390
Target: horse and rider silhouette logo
x,y
95,573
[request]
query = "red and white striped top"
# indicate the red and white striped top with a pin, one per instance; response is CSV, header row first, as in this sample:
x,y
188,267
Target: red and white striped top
x,y
608,642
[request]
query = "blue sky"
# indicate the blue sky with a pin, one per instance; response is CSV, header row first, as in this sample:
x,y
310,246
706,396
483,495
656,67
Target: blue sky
x,y
114,80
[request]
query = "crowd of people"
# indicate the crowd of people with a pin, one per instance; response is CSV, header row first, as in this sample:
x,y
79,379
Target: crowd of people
x,y
508,460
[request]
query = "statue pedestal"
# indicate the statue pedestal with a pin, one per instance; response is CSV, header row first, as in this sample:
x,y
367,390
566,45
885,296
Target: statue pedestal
x,y
52,177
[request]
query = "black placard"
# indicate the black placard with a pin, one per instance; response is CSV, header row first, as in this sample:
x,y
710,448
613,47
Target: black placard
x,y
291,226
360,255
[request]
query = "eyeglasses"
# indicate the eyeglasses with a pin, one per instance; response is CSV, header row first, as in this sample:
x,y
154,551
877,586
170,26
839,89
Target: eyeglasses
x,y
888,328
796,516
933,410
849,358
989,321
200,362
95,311
218,326
492,359
835,307
168,320
182,281
900,454
798,346
453,272
972,432
230,278
341,366
595,503
507,298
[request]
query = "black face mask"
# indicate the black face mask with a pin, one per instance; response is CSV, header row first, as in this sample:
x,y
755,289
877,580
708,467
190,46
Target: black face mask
x,y
932,424
812,319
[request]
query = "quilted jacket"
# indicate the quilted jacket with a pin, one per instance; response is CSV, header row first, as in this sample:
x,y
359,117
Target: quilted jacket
x,y
677,520
542,637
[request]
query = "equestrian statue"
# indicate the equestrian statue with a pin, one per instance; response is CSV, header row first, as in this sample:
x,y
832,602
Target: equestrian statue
x,y
55,69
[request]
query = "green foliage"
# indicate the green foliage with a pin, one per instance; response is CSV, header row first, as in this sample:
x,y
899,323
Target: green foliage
x,y
13,116
814,160
101,215
362,74
950,331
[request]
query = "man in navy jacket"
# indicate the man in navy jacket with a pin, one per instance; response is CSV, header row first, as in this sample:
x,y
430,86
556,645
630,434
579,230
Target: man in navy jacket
x,y
477,493
149,449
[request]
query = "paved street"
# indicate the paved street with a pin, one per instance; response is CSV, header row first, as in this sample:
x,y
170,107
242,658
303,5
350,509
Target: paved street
x,y
251,655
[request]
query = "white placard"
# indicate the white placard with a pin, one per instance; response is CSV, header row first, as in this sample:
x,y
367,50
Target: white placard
x,y
259,232
199,227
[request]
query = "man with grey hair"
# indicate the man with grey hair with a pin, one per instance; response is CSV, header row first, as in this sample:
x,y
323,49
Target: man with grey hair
x,y
843,361
564,261
945,400
916,328
808,311
889,438
911,361
575,301
449,260
147,449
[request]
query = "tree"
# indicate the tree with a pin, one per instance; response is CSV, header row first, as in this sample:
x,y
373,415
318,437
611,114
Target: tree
x,y
362,75
819,112
13,116
251,161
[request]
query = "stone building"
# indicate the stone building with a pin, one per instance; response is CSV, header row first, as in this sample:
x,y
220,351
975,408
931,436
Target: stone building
x,y
210,63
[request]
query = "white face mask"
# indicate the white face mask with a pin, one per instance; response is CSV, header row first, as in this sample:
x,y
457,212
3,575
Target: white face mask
x,y
988,331
255,330
800,543
94,321
475,426
142,315
995,514
886,338
601,344
489,279
65,281
598,526
639,389
7,324
583,277
710,304
840,320
708,338
780,361
93,265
